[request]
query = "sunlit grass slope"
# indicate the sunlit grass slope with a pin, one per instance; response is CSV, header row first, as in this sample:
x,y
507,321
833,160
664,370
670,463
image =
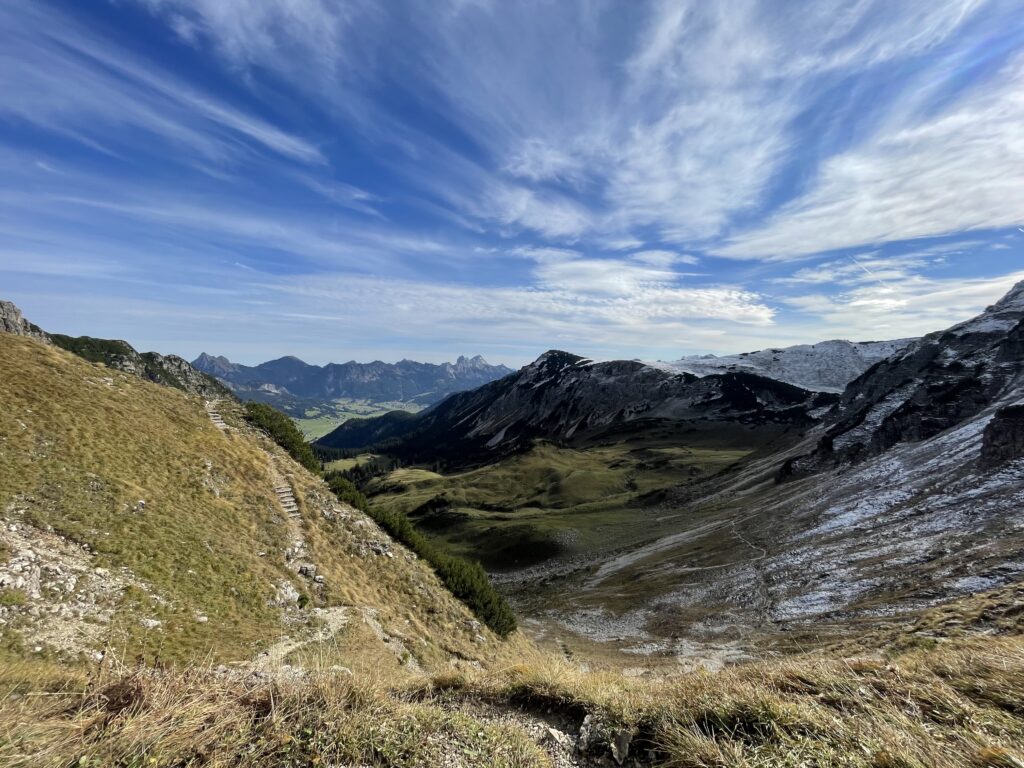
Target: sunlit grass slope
x,y
135,478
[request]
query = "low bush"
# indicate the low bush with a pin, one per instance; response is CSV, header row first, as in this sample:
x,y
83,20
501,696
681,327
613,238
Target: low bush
x,y
465,579
282,430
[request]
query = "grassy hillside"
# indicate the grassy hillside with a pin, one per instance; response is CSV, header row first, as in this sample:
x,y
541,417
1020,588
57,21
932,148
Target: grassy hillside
x,y
527,508
133,524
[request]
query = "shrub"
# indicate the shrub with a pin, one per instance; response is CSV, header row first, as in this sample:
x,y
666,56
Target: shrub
x,y
346,491
465,579
282,430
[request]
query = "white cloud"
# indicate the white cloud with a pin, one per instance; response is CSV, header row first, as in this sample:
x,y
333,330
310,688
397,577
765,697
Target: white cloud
x,y
660,258
570,270
927,175
631,316
901,308
551,215
537,161
295,36
873,266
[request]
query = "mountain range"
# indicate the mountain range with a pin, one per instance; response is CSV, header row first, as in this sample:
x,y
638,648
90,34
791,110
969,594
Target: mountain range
x,y
571,400
405,381
827,366
574,401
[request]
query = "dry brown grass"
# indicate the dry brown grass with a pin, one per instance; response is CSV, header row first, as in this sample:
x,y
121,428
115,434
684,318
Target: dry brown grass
x,y
150,717
960,704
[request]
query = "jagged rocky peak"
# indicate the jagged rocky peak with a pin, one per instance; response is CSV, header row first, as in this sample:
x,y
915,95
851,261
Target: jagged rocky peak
x,y
12,321
469,363
214,365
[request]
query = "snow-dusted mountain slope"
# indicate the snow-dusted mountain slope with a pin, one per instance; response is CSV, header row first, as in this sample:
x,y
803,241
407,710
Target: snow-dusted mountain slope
x,y
936,383
824,367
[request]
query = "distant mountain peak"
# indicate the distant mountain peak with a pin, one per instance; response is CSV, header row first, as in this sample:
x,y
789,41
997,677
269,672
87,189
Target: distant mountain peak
x,y
207,359
560,357
288,378
476,362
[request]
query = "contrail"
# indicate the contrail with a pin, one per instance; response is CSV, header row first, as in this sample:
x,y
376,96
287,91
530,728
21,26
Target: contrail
x,y
856,261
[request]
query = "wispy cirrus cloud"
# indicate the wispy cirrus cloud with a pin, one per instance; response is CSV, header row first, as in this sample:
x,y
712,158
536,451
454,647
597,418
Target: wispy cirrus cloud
x,y
57,76
685,133
923,176
676,175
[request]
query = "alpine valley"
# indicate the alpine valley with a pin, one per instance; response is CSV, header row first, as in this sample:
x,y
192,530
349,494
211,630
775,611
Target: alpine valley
x,y
682,423
321,397
700,509
708,562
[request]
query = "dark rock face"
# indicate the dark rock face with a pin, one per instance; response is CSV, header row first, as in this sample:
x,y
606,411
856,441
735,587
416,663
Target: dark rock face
x,y
569,400
938,382
405,381
1004,437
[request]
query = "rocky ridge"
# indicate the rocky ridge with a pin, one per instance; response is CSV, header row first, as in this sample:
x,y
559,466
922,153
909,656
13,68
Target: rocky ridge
x,y
909,493
170,370
569,399
12,321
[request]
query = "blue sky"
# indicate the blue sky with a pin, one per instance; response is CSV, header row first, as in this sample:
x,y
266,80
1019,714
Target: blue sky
x,y
342,179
